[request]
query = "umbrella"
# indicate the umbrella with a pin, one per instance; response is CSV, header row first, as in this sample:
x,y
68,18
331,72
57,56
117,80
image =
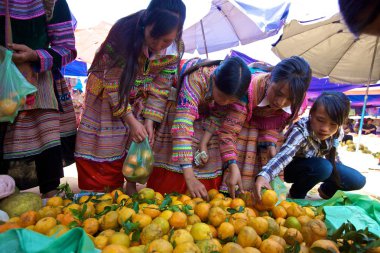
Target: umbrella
x,y
333,51
233,22
87,41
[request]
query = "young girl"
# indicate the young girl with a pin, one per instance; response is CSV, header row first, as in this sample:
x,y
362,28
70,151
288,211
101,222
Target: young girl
x,y
127,91
205,90
308,155
274,100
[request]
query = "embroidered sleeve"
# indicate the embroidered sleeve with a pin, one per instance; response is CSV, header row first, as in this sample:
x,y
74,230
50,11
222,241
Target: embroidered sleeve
x,y
186,113
213,121
159,93
61,50
112,93
230,129
293,143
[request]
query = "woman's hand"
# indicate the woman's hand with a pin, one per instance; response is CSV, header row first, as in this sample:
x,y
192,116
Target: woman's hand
x,y
195,187
234,179
261,182
204,160
138,132
148,124
23,53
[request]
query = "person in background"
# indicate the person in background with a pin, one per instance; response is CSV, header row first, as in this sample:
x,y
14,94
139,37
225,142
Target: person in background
x,y
347,131
369,127
362,17
309,154
127,91
274,100
44,131
205,91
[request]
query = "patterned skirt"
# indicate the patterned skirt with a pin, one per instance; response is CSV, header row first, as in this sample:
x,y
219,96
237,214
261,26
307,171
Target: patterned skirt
x,y
165,170
250,157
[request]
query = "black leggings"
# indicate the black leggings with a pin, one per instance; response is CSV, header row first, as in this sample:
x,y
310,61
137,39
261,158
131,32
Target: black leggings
x,y
48,164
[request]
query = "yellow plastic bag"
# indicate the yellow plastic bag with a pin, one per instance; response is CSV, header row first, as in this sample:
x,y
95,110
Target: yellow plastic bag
x,y
138,165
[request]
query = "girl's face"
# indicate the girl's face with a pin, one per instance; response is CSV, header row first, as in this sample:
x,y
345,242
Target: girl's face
x,y
278,95
221,98
155,45
321,124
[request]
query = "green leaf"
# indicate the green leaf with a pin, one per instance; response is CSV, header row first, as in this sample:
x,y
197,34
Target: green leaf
x,y
106,210
136,206
136,236
166,202
320,250
232,211
175,208
73,224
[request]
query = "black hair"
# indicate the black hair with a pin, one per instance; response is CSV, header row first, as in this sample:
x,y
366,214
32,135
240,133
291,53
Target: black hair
x,y
358,14
296,72
232,76
337,106
127,38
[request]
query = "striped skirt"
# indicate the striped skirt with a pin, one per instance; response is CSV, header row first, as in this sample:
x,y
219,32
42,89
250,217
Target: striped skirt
x,y
165,170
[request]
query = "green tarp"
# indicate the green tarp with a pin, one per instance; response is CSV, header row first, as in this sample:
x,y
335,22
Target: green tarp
x,y
28,241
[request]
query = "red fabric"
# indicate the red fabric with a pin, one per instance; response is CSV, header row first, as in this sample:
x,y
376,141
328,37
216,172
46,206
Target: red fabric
x,y
99,176
165,181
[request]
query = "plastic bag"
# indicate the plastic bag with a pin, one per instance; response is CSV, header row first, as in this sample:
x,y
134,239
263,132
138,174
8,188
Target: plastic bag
x,y
280,188
139,162
13,87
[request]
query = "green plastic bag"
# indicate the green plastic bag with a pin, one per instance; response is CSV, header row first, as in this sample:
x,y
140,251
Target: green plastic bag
x,y
280,188
138,164
13,87
27,241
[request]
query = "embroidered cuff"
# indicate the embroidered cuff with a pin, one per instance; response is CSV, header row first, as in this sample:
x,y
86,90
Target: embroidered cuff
x,y
228,163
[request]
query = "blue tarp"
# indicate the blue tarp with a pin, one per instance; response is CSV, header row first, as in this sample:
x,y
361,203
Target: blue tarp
x,y
357,100
75,68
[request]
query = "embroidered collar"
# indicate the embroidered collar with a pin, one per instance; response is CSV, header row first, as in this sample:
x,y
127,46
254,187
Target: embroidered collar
x,y
265,102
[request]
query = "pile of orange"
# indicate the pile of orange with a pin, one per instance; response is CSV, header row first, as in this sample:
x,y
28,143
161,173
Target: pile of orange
x,y
150,222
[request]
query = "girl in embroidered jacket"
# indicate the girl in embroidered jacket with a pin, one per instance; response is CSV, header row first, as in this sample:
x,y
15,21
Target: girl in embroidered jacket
x,y
127,91
206,88
308,155
43,42
274,101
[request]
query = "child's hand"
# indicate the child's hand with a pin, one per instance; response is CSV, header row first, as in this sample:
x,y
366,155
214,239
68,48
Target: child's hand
x,y
261,182
138,132
195,187
148,124
234,179
204,159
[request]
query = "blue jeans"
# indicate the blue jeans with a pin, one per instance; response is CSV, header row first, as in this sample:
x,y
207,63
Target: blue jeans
x,y
305,173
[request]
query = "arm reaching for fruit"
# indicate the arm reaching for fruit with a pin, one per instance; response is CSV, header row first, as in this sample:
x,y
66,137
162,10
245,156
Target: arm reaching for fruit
x,y
260,183
195,187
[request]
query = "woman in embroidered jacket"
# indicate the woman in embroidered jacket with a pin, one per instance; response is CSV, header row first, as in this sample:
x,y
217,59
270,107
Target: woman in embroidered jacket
x,y
127,91
43,42
274,100
205,91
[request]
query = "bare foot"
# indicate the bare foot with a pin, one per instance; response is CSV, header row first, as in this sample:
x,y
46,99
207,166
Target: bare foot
x,y
130,189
